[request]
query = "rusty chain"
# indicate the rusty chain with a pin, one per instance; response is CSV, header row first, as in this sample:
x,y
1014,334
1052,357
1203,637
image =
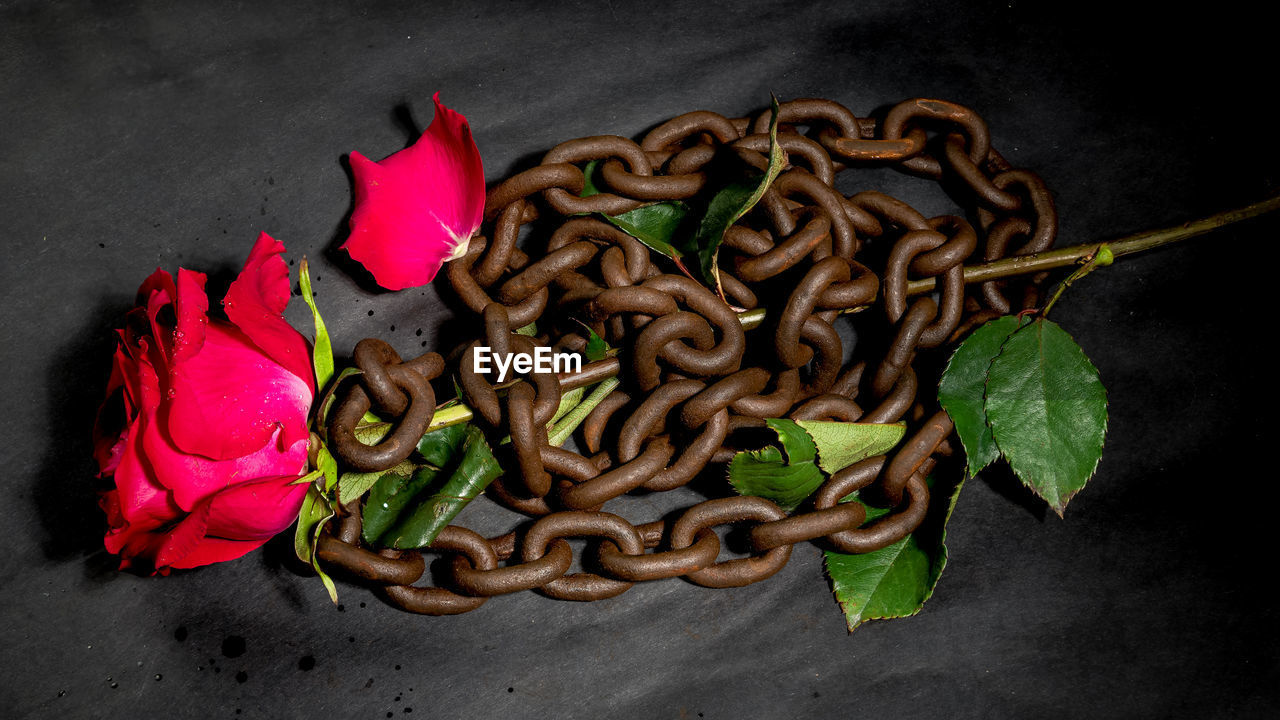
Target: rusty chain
x,y
691,388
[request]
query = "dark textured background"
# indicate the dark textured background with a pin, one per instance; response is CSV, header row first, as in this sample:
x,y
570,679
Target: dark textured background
x,y
133,136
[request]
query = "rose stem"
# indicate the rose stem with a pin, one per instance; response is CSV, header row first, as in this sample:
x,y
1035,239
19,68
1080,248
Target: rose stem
x,y
1008,267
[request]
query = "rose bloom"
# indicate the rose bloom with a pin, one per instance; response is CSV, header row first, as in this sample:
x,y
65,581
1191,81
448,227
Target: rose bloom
x,y
418,208
204,429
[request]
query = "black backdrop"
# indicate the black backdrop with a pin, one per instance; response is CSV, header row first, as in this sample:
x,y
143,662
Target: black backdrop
x,y
133,136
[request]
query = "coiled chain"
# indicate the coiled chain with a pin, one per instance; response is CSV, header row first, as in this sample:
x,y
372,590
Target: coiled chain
x,y
692,391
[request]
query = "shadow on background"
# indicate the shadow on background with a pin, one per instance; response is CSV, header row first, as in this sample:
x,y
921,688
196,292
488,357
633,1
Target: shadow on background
x,y
999,477
65,492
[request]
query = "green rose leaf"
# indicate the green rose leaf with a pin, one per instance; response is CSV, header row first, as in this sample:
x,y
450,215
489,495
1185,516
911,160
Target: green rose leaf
x,y
807,451
841,444
897,580
322,352
315,508
354,484
408,509
654,225
439,447
390,497
473,472
371,432
395,492
315,512
785,473
962,391
328,466
729,205
1047,410
666,227
330,397
597,348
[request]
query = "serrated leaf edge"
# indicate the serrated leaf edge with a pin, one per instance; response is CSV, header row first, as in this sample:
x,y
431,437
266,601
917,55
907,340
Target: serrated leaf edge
x,y
946,557
1059,509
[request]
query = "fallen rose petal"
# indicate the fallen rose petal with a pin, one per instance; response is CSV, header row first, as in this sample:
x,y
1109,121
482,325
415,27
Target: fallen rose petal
x,y
419,207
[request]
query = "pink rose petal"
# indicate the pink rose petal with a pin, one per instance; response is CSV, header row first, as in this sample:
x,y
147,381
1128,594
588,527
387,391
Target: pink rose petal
x,y
114,414
191,307
242,518
159,280
228,400
255,303
183,538
193,479
144,503
420,206
256,510
212,550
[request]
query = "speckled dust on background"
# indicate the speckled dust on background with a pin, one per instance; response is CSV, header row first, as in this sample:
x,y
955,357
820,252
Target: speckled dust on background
x,y
233,647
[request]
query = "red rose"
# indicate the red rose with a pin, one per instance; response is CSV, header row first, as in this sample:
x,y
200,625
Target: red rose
x,y
204,429
418,208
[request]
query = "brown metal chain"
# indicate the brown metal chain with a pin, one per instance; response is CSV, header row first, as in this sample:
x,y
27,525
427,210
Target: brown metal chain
x,y
692,391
